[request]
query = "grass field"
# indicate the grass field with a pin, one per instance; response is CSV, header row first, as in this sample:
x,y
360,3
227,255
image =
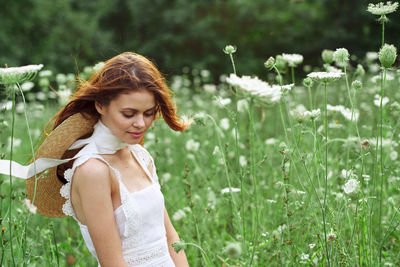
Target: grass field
x,y
252,182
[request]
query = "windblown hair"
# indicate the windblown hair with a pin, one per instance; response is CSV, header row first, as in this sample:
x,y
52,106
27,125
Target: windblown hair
x,y
122,74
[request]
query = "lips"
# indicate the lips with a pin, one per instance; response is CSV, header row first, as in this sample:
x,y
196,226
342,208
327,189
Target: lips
x,y
136,135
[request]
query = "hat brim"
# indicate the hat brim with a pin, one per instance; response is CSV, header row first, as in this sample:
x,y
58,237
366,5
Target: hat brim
x,y
48,199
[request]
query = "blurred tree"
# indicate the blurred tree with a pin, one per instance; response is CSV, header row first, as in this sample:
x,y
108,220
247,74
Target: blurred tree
x,y
179,33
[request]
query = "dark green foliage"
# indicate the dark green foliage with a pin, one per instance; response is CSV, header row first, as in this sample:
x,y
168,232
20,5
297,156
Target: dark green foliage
x,y
65,35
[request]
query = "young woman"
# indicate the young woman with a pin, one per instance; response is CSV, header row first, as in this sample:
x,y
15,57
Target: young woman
x,y
106,180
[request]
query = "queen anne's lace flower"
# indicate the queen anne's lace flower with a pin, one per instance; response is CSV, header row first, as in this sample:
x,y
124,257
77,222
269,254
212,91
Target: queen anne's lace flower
x,y
293,59
325,76
351,186
259,88
346,112
14,75
381,8
230,189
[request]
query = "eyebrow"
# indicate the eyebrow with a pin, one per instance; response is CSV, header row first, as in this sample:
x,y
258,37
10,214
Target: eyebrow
x,y
135,110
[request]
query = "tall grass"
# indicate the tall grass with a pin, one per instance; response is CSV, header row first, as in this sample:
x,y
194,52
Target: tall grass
x,y
287,205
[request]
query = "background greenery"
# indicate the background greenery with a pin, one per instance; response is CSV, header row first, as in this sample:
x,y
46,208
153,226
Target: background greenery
x,y
66,35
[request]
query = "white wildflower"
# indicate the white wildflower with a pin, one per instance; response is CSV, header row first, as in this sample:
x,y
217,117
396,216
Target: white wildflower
x,y
311,246
242,105
242,161
225,101
233,250
288,87
192,145
19,108
178,215
271,141
18,74
17,142
256,87
348,174
32,208
371,56
150,136
351,186
330,68
166,177
210,88
224,123
382,8
346,112
377,100
313,114
212,199
293,59
45,73
325,76
27,86
216,150
393,155
230,190
98,66
272,201
304,257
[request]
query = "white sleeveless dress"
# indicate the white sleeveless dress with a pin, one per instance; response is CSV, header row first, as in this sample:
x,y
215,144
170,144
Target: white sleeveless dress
x,y
140,218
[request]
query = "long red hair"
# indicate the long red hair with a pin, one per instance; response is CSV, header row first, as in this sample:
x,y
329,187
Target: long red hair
x,y
120,74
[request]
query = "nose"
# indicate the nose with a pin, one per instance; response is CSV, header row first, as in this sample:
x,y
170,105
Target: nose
x,y
139,122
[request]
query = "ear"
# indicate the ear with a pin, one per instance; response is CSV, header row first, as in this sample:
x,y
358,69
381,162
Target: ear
x,y
99,107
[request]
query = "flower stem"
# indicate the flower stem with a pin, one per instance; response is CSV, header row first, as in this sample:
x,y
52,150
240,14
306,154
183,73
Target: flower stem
x,y
11,157
381,164
203,253
243,210
293,78
326,170
383,30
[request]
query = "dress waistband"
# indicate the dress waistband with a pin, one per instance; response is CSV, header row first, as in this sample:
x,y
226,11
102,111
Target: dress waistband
x,y
148,255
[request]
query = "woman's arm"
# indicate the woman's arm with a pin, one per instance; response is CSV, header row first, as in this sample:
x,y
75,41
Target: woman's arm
x,y
172,236
93,183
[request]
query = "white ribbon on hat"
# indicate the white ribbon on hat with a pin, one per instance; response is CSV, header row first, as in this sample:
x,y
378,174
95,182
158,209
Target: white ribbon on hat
x,y
102,141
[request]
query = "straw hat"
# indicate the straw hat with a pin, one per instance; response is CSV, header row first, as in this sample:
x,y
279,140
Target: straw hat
x,y
48,200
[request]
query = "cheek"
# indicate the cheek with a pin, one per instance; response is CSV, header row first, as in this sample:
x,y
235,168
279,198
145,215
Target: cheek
x,y
149,121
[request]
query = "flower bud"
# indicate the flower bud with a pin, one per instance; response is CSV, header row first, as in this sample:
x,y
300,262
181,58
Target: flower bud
x,y
360,70
233,250
387,55
270,63
327,56
341,55
179,245
356,84
229,49
308,82
280,63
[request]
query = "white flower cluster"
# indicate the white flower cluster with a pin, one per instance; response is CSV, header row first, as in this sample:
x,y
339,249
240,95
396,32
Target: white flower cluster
x,y
325,76
192,145
377,100
181,213
346,112
351,186
230,190
382,8
293,59
259,88
301,114
18,74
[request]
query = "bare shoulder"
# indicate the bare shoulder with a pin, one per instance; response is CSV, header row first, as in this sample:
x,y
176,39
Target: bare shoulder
x,y
92,171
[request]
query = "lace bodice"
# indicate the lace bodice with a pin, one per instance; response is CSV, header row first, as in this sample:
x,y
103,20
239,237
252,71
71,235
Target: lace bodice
x,y
140,218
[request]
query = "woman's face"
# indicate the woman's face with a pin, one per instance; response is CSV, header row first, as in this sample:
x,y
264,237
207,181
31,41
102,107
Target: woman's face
x,y
129,115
